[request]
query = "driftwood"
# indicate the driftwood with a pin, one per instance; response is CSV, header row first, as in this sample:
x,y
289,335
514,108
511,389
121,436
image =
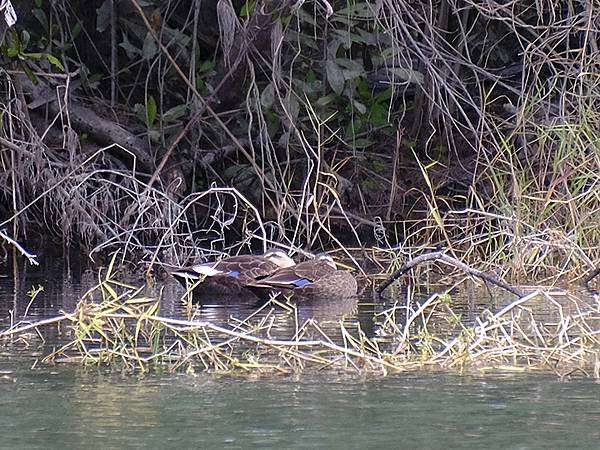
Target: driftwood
x,y
84,120
450,261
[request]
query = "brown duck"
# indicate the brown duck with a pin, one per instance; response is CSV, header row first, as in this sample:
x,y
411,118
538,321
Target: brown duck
x,y
230,275
316,278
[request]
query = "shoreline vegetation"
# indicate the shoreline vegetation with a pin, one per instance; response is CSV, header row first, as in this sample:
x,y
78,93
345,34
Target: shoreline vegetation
x,y
395,135
116,325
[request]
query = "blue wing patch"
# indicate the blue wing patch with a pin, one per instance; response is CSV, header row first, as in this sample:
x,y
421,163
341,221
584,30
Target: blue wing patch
x,y
301,282
233,273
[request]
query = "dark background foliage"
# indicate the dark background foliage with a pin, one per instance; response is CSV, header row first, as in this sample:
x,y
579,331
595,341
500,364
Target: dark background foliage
x,y
464,124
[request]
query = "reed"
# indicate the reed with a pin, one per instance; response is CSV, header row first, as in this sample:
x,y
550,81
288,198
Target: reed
x,y
117,325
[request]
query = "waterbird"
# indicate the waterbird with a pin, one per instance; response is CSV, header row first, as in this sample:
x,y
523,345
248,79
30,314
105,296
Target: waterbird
x,y
313,279
230,275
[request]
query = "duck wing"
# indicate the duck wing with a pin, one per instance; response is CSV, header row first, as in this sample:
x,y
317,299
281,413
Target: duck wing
x,y
240,267
298,276
248,270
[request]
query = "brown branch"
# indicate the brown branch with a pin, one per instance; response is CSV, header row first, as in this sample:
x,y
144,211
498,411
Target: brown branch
x,y
84,120
450,261
591,276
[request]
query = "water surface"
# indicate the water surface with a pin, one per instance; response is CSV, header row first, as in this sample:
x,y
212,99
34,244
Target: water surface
x,y
73,407
68,408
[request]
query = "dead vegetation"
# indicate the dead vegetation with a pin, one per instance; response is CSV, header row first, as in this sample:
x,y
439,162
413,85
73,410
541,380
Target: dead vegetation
x,y
379,130
400,125
116,325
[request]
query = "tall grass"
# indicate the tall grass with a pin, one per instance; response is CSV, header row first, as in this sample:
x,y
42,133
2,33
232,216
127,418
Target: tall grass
x,y
404,125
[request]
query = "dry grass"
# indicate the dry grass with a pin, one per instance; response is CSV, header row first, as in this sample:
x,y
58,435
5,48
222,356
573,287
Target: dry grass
x,y
503,170
522,146
114,324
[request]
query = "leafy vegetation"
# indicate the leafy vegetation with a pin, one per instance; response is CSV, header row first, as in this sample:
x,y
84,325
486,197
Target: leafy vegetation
x,y
395,124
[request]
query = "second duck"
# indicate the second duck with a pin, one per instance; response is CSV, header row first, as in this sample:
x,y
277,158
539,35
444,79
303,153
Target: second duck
x,y
312,279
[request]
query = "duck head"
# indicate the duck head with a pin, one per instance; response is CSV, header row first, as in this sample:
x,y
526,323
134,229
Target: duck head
x,y
324,257
280,258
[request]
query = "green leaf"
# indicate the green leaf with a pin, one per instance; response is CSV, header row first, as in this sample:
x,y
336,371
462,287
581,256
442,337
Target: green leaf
x,y
247,8
363,89
103,16
285,20
412,76
93,81
35,55
385,95
25,38
379,166
41,17
174,113
150,49
351,65
368,184
131,50
272,120
267,96
54,61
292,106
16,41
353,128
378,114
140,112
235,171
150,110
11,52
206,67
362,143
75,31
29,73
325,100
359,106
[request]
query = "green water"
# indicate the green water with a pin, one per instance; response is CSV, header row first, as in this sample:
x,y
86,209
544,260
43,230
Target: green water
x,y
67,408
70,407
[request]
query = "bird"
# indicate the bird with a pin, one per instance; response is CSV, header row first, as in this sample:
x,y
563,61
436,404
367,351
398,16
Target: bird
x,y
229,276
313,279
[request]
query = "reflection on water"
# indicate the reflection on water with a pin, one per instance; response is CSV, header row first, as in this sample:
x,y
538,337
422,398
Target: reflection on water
x,y
61,293
63,287
67,408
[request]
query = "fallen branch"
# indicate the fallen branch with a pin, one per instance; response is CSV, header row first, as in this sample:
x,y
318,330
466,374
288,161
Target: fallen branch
x,y
450,261
84,120
30,256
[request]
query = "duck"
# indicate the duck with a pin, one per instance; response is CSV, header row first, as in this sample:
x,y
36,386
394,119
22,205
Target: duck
x,y
313,279
229,276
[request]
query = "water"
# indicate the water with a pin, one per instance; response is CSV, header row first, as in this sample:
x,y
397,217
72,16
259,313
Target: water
x,y
68,408
73,407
